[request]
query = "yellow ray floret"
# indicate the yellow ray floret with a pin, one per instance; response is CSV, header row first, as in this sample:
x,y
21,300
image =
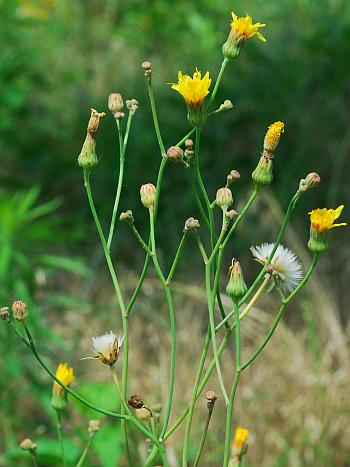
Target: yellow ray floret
x,y
273,134
240,438
323,219
245,28
195,89
65,374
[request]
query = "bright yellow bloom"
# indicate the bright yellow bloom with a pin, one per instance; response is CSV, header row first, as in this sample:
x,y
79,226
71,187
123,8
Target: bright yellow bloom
x,y
322,220
195,89
240,439
65,374
273,135
244,27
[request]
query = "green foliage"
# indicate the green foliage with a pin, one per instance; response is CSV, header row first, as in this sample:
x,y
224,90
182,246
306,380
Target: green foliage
x,y
98,393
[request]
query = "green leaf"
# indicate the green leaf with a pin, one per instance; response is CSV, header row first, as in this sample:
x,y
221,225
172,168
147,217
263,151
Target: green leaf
x,y
107,445
98,393
74,265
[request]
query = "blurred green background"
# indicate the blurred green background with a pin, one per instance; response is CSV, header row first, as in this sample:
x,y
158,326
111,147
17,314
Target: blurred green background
x,y
60,58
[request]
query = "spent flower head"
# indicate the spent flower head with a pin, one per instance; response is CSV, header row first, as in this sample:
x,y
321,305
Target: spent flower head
x,y
106,348
285,267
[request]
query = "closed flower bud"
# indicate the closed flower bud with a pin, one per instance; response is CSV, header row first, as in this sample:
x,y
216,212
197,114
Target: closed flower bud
x,y
263,174
115,102
236,286
147,67
226,105
127,216
211,396
175,154
148,195
191,224
132,105
233,176
143,414
224,198
189,143
19,310
28,445
94,426
87,157
4,313
136,402
311,180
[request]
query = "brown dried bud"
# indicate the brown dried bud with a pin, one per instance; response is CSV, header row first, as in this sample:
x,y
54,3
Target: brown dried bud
x,y
127,216
148,195
189,143
132,105
191,224
175,154
136,402
4,313
224,197
94,426
211,396
28,445
19,310
115,103
147,66
94,121
232,176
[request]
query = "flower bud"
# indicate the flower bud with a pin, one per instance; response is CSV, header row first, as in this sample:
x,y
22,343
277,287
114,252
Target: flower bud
x,y
230,215
87,157
143,414
127,216
311,180
147,67
239,442
175,154
191,224
236,286
94,426
224,198
28,445
136,402
148,195
4,313
189,143
233,176
263,175
211,396
132,105
19,310
226,105
115,103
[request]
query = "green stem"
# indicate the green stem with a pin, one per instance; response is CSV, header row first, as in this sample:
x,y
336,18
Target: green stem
x,y
189,134
123,426
155,116
176,259
122,150
238,370
196,197
169,299
34,458
200,246
217,84
193,401
281,311
86,450
204,435
60,436
139,238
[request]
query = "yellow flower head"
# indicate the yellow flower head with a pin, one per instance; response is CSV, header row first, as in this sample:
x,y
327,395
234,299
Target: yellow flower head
x,y
195,89
273,135
240,439
322,220
244,27
65,374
